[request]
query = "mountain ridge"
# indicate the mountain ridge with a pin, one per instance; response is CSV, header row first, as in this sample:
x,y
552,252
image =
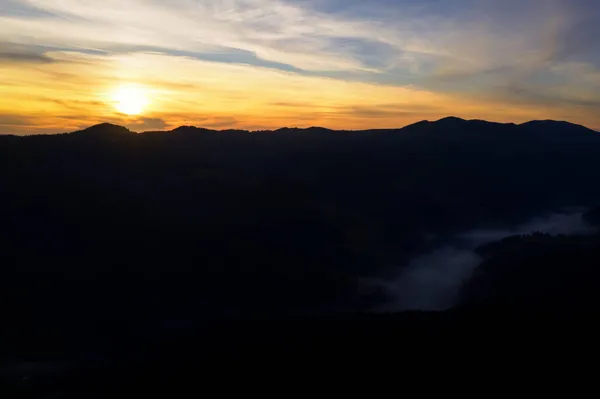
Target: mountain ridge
x,y
164,230
450,122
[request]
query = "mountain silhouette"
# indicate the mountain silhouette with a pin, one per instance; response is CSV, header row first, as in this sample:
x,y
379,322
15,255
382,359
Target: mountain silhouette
x,y
110,233
558,131
545,128
104,129
451,121
555,125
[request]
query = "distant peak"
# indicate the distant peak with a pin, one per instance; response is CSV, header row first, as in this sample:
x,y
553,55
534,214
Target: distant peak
x,y
106,128
546,122
537,121
553,125
451,119
105,125
308,129
186,129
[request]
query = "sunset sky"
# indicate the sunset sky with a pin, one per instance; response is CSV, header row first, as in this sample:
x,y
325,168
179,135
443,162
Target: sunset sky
x,y
258,64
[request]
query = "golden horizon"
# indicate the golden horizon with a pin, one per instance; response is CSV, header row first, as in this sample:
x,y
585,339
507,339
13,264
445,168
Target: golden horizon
x,y
263,64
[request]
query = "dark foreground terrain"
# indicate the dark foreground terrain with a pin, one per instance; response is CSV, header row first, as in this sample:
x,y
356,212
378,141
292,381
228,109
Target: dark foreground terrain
x,y
308,355
130,258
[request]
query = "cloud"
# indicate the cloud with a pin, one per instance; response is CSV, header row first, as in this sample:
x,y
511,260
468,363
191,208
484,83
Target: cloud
x,y
268,29
143,124
453,39
14,120
6,57
11,53
523,64
220,122
390,110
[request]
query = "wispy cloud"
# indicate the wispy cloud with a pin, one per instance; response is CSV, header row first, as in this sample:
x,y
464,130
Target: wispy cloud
x,y
274,31
8,57
309,36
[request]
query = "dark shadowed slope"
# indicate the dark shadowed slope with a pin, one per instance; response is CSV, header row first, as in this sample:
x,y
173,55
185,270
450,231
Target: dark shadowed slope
x,y
539,271
105,230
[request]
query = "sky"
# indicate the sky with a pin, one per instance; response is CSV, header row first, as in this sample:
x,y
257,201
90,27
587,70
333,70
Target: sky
x,y
263,64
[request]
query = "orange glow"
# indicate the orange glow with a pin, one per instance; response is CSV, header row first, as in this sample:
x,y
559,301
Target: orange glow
x,y
152,91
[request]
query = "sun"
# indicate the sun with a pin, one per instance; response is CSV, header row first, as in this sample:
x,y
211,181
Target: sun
x,y
130,100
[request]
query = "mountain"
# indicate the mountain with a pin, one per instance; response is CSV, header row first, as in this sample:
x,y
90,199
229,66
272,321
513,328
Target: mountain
x,y
106,232
559,131
104,129
448,124
556,126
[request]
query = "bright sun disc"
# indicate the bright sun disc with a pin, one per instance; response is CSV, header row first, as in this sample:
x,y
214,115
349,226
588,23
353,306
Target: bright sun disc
x,y
130,100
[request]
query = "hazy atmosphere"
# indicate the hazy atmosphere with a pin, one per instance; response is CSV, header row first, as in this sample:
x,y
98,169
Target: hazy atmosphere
x,y
195,188
258,64
433,280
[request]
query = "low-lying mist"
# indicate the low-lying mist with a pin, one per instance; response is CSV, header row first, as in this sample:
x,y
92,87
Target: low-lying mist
x,y
432,280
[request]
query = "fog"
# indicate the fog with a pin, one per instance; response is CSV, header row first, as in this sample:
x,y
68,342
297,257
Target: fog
x,y
432,281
